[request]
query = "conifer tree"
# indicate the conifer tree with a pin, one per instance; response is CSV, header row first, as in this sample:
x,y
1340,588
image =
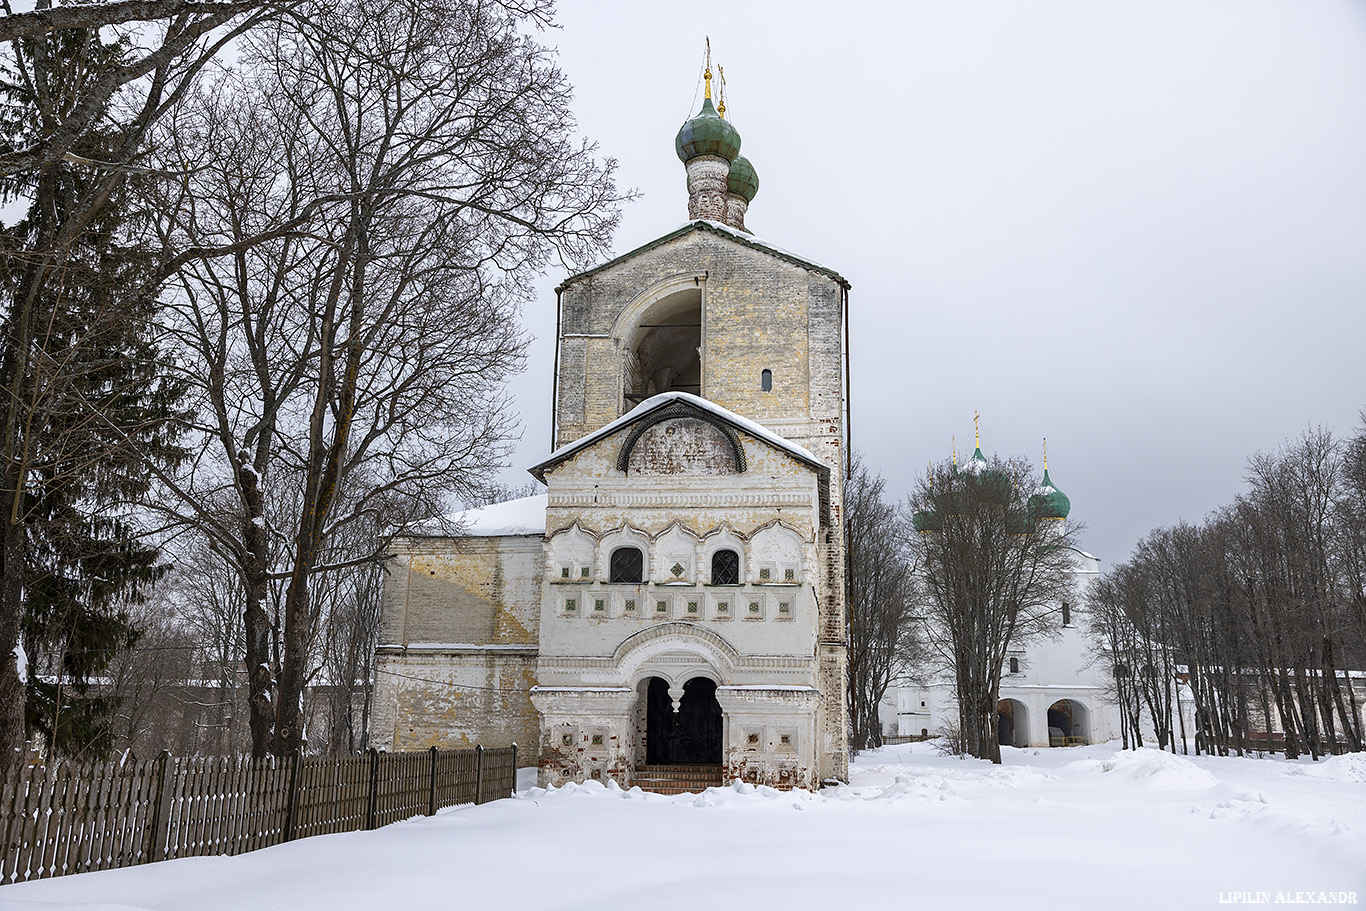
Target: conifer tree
x,y
84,402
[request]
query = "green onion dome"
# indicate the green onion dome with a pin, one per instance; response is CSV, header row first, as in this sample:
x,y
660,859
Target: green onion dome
x,y
926,520
1048,502
743,181
708,134
993,486
977,464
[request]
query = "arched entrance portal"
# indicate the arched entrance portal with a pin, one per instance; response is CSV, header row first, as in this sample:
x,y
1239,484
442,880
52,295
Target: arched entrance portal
x,y
1067,723
1012,723
690,736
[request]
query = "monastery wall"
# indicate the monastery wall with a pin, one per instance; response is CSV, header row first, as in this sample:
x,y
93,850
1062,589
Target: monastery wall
x,y
458,641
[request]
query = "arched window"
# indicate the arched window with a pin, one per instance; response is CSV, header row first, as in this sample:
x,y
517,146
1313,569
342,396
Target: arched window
x,y
766,380
627,565
725,568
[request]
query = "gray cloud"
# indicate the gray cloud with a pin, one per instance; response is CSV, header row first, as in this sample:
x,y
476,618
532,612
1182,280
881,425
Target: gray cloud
x,y
1136,229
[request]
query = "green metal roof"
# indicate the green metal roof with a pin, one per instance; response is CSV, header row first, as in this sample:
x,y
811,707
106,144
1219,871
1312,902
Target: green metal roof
x,y
743,180
1049,502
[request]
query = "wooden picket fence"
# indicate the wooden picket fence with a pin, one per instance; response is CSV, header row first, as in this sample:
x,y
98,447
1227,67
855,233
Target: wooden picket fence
x,y
66,818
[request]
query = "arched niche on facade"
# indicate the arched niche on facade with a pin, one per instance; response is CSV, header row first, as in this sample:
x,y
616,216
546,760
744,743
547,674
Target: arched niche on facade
x,y
679,438
776,554
660,335
571,555
675,551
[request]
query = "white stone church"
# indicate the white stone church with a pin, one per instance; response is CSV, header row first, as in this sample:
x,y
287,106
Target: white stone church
x,y
1054,691
671,610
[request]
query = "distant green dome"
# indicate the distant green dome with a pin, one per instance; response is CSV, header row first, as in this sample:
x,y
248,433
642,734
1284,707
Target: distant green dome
x,y
1048,502
743,181
708,134
993,485
977,464
926,520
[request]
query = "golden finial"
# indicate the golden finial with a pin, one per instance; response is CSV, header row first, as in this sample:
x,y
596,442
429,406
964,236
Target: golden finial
x,y
977,434
953,442
1045,453
721,91
706,75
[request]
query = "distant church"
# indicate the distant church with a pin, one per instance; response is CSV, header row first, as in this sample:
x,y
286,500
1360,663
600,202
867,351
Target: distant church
x,y
1054,691
671,610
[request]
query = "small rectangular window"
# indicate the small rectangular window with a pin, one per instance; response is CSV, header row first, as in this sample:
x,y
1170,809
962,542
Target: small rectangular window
x,y
1066,614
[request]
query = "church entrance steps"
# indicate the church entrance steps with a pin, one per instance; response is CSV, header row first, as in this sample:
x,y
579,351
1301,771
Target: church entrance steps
x,y
677,779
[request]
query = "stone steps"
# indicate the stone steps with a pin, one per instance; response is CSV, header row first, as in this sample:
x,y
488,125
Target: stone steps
x,y
677,779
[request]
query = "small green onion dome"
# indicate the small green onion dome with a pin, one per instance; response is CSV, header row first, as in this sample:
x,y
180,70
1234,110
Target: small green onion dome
x,y
707,134
1048,502
743,181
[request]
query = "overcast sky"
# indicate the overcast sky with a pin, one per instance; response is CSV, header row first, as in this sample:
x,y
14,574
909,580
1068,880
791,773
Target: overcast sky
x,y
1136,229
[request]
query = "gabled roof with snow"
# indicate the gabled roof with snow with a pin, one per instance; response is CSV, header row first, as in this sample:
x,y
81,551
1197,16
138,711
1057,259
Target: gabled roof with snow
x,y
715,227
699,404
525,516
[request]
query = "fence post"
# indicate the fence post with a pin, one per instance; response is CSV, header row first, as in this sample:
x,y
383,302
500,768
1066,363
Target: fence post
x,y
431,796
158,827
478,774
514,769
374,788
292,808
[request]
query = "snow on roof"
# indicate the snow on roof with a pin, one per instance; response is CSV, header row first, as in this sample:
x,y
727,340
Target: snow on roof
x,y
715,227
752,428
525,516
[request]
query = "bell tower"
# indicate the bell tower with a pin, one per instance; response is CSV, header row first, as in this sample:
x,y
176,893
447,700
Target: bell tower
x,y
708,309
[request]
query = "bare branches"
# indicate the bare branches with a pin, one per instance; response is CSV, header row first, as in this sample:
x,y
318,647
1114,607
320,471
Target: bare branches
x,y
381,181
992,575
882,630
1255,610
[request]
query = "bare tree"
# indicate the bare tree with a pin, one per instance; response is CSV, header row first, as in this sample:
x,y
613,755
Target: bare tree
x,y
882,627
348,370
993,575
83,85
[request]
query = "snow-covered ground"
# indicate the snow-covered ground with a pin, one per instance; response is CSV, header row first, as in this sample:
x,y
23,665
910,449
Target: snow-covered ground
x,y
1090,827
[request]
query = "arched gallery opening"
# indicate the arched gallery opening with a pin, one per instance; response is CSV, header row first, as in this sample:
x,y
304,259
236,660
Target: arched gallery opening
x,y
1012,723
1068,724
689,736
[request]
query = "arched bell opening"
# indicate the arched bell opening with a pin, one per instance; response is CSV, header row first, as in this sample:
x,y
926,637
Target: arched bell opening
x,y
687,732
663,351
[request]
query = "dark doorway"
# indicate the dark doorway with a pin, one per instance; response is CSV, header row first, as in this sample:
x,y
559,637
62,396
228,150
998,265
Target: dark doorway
x,y
690,736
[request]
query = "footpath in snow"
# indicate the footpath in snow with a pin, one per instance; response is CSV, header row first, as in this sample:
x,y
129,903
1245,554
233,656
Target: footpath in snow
x,y
1087,828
